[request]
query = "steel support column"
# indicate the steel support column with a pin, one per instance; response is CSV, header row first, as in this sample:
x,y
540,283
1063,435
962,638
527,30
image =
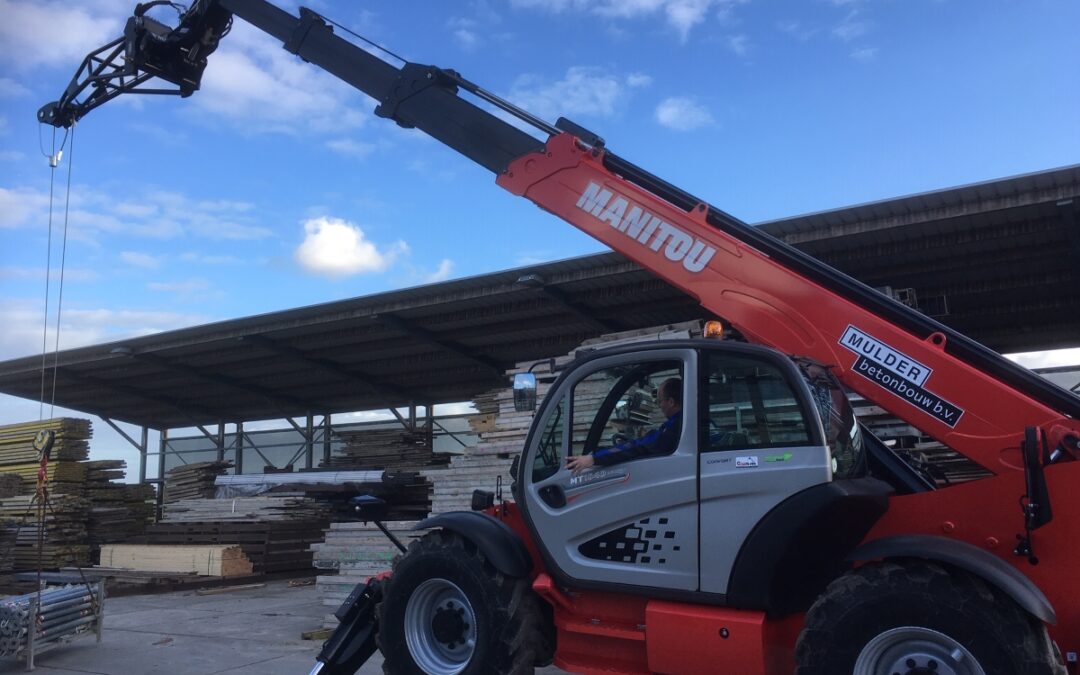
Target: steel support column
x,y
239,469
162,447
143,446
309,443
429,422
327,427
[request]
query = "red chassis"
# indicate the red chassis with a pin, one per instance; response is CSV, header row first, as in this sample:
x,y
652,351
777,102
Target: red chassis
x,y
622,633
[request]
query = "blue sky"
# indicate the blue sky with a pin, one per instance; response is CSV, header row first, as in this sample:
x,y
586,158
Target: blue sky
x,y
275,187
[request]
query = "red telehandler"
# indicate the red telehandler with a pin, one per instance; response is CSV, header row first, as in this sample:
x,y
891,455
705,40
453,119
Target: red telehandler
x,y
779,535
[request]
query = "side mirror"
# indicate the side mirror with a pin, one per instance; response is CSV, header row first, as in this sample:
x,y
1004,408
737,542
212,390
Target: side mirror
x,y
524,392
369,508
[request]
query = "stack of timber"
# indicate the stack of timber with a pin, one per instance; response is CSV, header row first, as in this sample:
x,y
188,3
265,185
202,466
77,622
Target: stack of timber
x,y
271,546
355,551
274,532
203,560
72,440
64,538
86,507
61,476
71,446
407,495
245,509
385,449
8,533
10,485
193,481
118,511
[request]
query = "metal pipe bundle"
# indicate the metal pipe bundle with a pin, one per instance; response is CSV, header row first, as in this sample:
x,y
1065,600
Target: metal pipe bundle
x,y
62,611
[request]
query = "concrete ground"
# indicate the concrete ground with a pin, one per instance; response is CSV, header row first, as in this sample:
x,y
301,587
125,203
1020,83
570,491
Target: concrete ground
x,y
250,632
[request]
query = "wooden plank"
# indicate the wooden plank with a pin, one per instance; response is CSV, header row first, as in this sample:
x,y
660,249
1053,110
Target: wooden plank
x,y
208,560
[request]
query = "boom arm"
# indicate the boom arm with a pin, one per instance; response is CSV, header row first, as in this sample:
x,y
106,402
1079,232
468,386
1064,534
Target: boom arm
x,y
954,389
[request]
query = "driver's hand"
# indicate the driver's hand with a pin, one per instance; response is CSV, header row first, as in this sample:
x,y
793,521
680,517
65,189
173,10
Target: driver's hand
x,y
579,463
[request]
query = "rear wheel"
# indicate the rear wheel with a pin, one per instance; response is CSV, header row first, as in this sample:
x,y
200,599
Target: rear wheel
x,y
446,611
921,619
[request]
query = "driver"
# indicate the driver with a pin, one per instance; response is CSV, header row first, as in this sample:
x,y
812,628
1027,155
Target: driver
x,y
660,441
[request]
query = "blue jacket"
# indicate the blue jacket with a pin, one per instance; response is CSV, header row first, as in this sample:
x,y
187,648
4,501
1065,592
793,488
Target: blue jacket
x,y
660,441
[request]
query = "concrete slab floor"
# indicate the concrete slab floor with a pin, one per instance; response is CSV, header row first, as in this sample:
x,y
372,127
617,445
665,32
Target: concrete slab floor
x,y
244,632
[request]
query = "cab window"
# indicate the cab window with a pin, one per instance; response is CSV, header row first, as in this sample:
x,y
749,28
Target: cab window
x,y
619,404
550,447
751,405
608,406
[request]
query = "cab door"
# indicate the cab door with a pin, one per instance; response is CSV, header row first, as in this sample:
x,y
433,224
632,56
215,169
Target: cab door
x,y
762,443
633,523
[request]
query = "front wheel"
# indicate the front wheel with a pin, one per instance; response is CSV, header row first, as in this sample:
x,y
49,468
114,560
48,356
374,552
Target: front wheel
x,y
919,618
447,611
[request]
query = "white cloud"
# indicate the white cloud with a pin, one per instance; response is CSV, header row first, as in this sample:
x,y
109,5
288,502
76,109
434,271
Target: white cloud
x,y
165,136
79,327
526,258
57,33
156,214
133,210
638,80
853,26
11,156
351,148
797,30
584,91
680,15
71,274
864,54
143,260
446,267
682,114
21,206
188,288
739,44
337,248
261,88
464,32
9,88
217,205
203,259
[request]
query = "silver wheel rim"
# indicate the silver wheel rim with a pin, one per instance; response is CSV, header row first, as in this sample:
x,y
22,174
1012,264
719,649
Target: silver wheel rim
x,y
440,627
913,650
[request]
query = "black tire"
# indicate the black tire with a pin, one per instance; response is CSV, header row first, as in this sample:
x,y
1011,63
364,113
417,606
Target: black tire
x,y
899,617
447,610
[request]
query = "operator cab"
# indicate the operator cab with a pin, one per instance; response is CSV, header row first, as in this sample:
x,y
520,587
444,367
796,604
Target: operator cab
x,y
757,429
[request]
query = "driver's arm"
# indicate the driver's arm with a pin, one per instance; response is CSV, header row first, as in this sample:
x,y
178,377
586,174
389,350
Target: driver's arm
x,y
661,441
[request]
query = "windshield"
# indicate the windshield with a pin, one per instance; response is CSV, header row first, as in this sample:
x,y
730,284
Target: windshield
x,y
842,432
